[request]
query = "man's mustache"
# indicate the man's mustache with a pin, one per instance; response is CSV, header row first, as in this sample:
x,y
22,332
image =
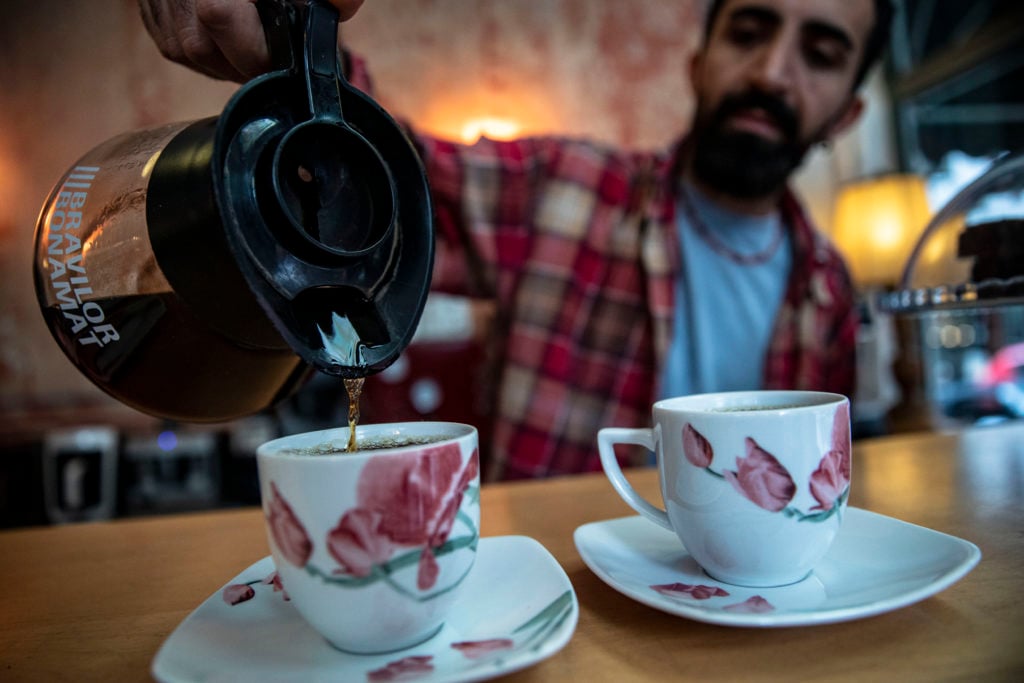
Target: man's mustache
x,y
781,114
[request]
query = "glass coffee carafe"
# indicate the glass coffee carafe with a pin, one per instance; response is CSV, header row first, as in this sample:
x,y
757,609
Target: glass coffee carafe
x,y
199,271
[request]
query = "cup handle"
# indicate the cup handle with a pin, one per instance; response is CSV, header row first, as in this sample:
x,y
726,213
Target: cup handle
x,y
606,439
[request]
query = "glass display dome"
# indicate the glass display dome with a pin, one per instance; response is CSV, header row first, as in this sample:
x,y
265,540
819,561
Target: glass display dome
x,y
959,309
972,250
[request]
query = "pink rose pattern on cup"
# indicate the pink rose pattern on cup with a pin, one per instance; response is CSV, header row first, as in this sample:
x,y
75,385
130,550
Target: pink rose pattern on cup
x,y
696,448
403,501
289,534
763,480
831,480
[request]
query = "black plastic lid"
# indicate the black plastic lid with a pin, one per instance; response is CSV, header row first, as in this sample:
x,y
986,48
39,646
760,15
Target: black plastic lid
x,y
324,201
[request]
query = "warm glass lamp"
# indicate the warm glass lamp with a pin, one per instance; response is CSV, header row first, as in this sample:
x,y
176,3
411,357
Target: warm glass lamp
x,y
877,221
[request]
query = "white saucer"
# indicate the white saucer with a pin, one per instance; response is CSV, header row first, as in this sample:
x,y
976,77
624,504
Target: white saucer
x,y
875,565
517,597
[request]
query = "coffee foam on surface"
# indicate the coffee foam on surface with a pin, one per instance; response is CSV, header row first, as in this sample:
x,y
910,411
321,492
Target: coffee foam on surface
x,y
750,409
375,443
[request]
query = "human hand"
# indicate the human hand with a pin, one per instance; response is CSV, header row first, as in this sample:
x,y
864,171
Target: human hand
x,y
220,38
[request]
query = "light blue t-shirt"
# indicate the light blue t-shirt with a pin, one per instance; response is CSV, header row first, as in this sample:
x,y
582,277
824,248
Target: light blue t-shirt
x,y
725,311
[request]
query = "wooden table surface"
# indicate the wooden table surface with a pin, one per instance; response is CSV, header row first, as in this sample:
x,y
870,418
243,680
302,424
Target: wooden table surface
x,y
93,602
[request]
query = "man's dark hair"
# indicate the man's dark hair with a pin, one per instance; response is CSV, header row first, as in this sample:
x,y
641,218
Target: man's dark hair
x,y
874,46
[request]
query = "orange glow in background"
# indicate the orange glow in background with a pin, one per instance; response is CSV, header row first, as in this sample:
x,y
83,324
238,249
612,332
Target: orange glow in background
x,y
466,115
491,127
10,191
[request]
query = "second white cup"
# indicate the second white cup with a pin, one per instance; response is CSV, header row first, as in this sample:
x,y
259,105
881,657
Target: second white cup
x,y
754,483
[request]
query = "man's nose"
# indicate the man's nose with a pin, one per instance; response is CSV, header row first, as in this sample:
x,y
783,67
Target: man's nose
x,y
773,70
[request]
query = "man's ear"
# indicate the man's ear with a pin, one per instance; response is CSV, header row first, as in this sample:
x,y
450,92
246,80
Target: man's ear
x,y
695,66
847,117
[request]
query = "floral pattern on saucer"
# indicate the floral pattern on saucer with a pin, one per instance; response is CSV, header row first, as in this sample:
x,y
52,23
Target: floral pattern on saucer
x,y
876,564
755,604
517,608
489,651
532,633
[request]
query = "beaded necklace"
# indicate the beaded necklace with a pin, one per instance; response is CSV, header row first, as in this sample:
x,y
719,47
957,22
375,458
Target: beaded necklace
x,y
720,247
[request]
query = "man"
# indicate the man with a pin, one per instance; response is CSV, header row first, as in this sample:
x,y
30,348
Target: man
x,y
623,277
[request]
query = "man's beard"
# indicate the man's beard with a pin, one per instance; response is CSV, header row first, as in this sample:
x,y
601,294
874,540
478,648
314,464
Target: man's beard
x,y
741,164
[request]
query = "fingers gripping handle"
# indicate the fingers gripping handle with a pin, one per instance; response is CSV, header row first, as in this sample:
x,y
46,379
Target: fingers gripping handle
x,y
606,440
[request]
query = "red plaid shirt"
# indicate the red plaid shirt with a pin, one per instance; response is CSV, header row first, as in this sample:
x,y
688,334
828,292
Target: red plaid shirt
x,y
578,245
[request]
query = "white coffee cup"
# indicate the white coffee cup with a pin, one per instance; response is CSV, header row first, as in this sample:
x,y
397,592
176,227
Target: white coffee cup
x,y
373,547
754,483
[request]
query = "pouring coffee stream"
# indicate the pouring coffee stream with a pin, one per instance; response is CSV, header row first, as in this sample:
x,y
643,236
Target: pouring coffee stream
x,y
199,271
354,389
